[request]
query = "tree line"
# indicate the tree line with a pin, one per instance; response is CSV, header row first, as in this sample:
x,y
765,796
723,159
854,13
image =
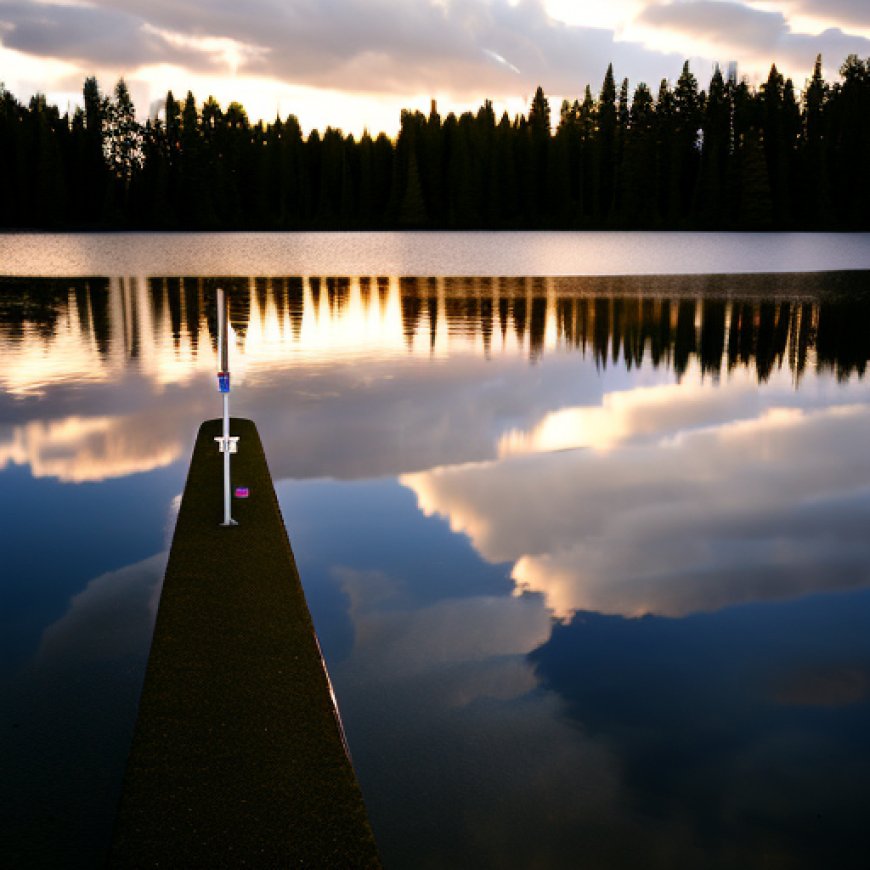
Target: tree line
x,y
728,157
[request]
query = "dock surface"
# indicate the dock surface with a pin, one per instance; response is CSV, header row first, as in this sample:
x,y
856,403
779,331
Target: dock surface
x,y
238,757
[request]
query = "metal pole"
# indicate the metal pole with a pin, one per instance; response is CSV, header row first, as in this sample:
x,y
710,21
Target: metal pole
x,y
228,518
226,443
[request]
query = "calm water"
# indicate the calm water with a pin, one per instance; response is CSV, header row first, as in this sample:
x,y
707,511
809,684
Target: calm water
x,y
588,557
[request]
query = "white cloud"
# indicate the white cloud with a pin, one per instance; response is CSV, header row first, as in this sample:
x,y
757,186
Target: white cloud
x,y
755,35
675,519
459,52
383,55
846,14
77,449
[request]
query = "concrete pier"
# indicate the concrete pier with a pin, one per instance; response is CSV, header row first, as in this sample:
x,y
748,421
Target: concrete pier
x,y
238,757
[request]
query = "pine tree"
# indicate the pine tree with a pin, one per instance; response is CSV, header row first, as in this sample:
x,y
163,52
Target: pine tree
x,y
639,182
666,156
710,203
539,145
814,169
687,153
850,143
587,124
756,205
122,144
605,145
92,163
623,115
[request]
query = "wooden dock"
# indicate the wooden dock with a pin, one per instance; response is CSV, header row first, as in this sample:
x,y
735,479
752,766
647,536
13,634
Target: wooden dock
x,y
238,756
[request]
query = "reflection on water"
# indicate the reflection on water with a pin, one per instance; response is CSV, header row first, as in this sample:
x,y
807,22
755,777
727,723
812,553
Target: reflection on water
x,y
687,520
63,331
157,337
587,557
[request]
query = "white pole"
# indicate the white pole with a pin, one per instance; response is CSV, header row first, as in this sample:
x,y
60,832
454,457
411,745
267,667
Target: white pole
x,y
226,443
228,519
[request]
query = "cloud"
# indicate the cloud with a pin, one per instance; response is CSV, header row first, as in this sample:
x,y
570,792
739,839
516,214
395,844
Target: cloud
x,y
379,53
444,695
771,505
719,21
475,48
95,35
837,12
78,449
712,719
110,619
758,36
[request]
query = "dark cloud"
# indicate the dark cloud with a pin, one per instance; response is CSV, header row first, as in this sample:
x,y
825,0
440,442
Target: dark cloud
x,y
345,44
84,34
411,47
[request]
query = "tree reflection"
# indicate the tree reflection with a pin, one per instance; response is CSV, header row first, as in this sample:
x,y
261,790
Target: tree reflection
x,y
714,323
35,305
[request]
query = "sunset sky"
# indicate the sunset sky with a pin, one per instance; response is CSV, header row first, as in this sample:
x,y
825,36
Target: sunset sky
x,y
356,63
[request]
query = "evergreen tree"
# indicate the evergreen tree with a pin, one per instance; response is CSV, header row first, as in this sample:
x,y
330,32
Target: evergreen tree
x,y
48,183
622,127
686,152
538,130
587,125
710,208
772,100
639,156
814,169
506,206
849,143
667,151
756,205
122,143
91,160
605,143
727,157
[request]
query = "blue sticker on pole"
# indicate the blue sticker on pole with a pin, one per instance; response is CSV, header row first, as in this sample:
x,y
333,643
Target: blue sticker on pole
x,y
224,382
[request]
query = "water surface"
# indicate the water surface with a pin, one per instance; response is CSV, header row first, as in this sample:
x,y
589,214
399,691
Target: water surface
x,y
587,556
429,253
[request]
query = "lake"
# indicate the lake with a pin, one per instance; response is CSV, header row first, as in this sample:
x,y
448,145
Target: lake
x,y
582,521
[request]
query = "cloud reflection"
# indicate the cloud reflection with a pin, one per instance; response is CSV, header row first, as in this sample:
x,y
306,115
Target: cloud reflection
x,y
112,618
743,729
370,376
453,700
771,506
77,449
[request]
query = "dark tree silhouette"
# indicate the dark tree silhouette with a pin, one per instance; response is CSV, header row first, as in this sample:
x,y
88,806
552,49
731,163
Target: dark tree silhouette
x,y
729,157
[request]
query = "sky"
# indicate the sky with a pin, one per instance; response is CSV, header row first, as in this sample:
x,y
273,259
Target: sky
x,y
354,64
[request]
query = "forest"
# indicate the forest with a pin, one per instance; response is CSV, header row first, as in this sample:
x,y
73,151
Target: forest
x,y
730,156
